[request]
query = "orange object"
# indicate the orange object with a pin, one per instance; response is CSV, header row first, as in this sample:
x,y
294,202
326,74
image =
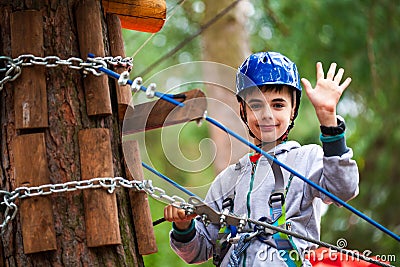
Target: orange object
x,y
139,15
324,257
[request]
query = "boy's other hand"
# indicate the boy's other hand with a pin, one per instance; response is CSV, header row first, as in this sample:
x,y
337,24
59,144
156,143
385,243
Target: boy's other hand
x,y
178,216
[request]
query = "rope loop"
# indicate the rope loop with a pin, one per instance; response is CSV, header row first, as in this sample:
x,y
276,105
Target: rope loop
x,y
237,252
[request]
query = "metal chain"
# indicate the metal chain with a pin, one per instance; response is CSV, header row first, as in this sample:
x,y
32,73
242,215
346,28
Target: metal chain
x,y
12,67
108,183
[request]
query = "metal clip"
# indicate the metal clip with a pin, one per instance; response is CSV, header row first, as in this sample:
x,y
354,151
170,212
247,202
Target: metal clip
x,y
222,219
242,223
136,84
235,239
123,78
205,219
151,89
199,121
289,226
188,208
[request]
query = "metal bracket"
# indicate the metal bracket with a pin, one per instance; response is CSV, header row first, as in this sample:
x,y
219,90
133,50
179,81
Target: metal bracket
x,y
213,216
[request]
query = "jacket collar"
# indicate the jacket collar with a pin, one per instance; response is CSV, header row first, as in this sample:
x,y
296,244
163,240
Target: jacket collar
x,y
279,149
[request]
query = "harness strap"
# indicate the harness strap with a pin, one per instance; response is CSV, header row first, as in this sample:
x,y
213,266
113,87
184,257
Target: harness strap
x,y
222,245
284,243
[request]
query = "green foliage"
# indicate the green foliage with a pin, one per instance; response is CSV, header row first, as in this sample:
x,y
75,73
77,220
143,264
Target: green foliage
x,y
361,36
147,48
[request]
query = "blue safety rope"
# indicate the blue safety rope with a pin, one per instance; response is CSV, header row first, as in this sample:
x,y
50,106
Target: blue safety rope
x,y
311,183
115,75
236,253
159,174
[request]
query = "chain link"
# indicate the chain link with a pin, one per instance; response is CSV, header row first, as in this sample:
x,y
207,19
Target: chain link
x,y
12,67
108,183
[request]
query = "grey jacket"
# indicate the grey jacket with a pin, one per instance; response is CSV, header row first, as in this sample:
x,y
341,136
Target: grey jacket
x,y
337,174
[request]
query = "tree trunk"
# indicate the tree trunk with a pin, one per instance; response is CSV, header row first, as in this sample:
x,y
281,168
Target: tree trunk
x,y
225,42
60,161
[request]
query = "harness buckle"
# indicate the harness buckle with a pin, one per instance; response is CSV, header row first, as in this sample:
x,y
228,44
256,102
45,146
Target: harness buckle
x,y
277,196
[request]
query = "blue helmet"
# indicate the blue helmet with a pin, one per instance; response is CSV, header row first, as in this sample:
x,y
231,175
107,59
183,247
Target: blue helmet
x,y
268,68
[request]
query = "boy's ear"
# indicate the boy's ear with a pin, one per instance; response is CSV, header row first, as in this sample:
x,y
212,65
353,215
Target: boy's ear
x,y
294,105
242,111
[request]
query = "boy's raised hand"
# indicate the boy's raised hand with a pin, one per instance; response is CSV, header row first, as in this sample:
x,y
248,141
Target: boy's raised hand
x,y
326,94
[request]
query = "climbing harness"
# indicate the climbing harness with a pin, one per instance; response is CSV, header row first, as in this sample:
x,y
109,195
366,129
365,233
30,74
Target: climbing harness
x,y
282,242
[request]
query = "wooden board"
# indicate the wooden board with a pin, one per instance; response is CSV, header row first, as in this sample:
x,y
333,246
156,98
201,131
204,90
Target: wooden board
x,y
138,15
90,34
30,99
101,214
160,113
140,204
36,213
124,94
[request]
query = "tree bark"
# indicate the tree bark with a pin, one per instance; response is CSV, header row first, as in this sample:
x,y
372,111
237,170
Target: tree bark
x,y
67,115
225,42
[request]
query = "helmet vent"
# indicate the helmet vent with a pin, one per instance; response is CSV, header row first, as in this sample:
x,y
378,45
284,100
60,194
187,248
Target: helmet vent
x,y
270,59
264,59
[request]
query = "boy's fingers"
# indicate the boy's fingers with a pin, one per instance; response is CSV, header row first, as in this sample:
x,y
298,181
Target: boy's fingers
x,y
339,75
345,83
182,215
307,85
320,71
173,214
167,213
331,71
170,213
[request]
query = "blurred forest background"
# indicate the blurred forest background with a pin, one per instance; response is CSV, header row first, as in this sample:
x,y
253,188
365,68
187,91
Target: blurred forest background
x,y
363,37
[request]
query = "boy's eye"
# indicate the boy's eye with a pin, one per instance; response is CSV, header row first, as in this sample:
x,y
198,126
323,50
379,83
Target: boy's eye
x,y
278,105
255,106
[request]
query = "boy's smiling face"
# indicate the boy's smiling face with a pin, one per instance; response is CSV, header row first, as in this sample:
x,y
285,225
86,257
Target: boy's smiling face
x,y
269,113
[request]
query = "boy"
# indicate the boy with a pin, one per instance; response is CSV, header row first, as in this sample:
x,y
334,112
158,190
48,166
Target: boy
x,y
269,91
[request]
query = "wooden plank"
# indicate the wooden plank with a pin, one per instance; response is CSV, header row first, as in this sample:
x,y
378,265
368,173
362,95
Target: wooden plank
x,y
138,15
90,34
161,113
36,213
124,94
139,202
101,214
30,99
